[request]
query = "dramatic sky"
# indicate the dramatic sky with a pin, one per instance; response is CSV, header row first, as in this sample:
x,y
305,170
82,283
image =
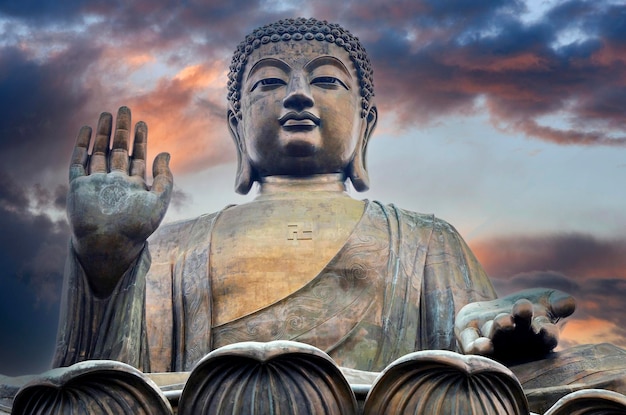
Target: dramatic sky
x,y
506,118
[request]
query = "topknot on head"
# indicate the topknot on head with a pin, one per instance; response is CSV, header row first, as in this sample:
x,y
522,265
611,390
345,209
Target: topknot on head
x,y
301,29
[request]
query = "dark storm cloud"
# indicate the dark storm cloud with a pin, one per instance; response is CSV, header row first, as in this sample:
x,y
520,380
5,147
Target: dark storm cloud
x,y
547,279
432,58
43,10
40,107
154,23
29,242
442,60
33,248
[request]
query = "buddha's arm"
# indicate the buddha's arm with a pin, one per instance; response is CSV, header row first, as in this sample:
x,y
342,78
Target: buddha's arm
x,y
452,278
135,314
110,208
462,309
512,328
111,327
111,212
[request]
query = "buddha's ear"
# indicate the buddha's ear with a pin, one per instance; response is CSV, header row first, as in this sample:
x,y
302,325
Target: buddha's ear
x,y
357,171
243,180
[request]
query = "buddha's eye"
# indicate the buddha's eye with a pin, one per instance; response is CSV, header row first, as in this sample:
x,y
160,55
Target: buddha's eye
x,y
329,82
268,83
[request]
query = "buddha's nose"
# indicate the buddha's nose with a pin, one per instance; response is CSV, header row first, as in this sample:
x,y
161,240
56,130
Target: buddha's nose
x,y
298,96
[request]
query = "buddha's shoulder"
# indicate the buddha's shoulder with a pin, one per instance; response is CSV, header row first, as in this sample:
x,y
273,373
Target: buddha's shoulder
x,y
415,219
173,236
184,225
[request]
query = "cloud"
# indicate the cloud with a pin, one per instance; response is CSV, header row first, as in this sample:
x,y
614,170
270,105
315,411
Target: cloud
x,y
33,247
526,280
573,254
185,117
179,199
568,64
42,102
431,59
32,244
43,11
591,331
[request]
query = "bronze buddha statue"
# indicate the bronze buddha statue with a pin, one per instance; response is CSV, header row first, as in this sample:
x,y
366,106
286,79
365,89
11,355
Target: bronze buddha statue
x,y
365,282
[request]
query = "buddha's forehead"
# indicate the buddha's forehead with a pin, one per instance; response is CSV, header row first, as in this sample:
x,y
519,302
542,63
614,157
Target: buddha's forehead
x,y
297,54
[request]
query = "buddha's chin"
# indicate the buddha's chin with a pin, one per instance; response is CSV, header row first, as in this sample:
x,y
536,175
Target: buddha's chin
x,y
301,146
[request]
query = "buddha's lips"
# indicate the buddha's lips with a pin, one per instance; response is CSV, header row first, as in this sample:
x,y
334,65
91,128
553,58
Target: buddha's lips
x,y
299,119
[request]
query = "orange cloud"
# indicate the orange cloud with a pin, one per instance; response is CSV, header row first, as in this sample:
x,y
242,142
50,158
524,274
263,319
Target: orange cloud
x,y
591,331
610,54
573,254
136,61
186,117
519,62
123,60
200,76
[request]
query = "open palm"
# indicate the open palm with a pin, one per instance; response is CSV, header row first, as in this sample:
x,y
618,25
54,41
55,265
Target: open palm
x,y
110,207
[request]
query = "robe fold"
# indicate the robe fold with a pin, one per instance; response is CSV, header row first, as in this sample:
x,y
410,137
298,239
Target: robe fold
x,y
393,288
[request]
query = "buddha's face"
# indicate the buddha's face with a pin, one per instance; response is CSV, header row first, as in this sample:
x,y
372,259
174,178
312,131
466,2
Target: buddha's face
x,y
300,107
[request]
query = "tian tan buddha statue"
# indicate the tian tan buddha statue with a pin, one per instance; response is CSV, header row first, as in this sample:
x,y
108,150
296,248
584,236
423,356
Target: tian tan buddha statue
x,y
365,282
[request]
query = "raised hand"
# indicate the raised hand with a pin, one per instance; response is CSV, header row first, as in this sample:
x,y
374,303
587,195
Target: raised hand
x,y
110,208
515,328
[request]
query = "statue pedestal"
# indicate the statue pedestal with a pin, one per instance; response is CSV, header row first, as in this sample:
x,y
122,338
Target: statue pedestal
x,y
293,378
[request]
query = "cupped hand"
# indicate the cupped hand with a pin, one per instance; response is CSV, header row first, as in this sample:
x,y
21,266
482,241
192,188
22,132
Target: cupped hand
x,y
110,207
515,328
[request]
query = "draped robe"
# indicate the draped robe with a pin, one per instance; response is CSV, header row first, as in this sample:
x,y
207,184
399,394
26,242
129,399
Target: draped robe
x,y
393,288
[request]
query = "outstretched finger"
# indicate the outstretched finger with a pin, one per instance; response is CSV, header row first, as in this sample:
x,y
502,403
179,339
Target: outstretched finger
x,y
138,161
547,332
98,159
501,323
119,150
163,179
522,313
80,154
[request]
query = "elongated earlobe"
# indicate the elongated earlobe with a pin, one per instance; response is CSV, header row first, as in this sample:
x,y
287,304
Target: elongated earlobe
x,y
357,170
243,179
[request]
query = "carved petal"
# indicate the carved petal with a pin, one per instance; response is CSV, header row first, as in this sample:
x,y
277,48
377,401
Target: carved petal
x,y
280,377
442,382
92,387
590,402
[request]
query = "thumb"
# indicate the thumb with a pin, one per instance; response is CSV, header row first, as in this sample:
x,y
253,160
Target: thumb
x,y
562,304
